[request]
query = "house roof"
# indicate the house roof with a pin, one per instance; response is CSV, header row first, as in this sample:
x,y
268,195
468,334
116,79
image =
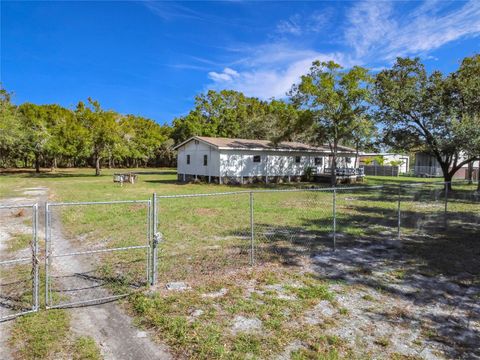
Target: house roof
x,y
382,154
248,144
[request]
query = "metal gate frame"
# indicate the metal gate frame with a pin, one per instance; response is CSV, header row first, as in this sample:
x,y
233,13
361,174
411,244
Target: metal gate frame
x,y
33,258
49,255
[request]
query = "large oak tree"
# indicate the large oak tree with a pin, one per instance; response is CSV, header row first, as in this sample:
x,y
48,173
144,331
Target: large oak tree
x,y
418,110
335,99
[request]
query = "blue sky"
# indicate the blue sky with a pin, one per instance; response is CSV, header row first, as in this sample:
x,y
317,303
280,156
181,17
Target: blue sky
x,y
152,58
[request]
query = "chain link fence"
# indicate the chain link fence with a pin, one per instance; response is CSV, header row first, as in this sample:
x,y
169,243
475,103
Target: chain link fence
x,y
208,234
104,252
442,227
289,225
202,234
423,208
99,251
19,277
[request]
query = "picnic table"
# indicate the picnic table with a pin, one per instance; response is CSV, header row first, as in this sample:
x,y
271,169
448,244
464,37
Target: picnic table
x,y
125,178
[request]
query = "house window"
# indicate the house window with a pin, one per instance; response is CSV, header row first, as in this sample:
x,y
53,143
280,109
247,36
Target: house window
x,y
298,159
348,160
256,158
205,160
319,161
188,159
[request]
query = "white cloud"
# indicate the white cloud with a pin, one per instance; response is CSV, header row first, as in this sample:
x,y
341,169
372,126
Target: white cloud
x,y
230,72
290,26
226,75
300,25
375,30
170,10
270,70
374,34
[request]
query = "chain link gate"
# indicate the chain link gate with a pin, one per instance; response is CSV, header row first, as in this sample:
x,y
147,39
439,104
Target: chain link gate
x,y
88,263
19,276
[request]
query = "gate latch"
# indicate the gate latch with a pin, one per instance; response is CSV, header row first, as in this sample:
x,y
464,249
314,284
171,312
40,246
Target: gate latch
x,y
157,238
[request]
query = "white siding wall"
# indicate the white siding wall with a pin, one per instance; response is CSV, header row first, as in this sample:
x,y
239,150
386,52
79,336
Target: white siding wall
x,y
240,163
196,152
396,157
237,163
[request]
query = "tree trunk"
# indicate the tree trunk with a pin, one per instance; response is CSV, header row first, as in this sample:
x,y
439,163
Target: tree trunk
x,y
333,177
97,165
37,163
447,177
470,173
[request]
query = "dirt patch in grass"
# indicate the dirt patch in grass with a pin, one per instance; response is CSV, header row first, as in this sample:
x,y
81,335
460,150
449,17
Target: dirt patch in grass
x,y
370,299
254,313
395,307
19,213
206,212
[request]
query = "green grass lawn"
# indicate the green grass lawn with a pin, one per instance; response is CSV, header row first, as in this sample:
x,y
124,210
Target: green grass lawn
x,y
207,244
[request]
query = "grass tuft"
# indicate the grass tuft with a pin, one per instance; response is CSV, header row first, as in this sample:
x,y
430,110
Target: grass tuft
x,y
40,335
85,348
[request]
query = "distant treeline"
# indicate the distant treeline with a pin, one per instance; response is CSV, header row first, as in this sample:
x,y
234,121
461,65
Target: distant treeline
x,y
51,136
402,108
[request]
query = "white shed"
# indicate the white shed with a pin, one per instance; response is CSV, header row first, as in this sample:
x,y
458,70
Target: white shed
x,y
403,168
241,160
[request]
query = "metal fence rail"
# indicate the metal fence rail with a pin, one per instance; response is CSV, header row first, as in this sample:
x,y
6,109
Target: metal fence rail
x,y
19,276
103,255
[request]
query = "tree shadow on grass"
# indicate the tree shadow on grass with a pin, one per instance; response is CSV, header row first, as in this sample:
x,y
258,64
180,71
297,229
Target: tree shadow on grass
x,y
166,181
434,268
147,172
15,297
50,175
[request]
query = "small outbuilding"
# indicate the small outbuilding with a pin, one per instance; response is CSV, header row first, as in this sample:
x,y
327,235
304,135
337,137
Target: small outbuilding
x,y
226,160
426,165
388,158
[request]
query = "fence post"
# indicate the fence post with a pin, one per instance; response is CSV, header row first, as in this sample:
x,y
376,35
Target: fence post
x,y
399,213
252,234
35,258
47,253
149,241
446,204
154,239
334,219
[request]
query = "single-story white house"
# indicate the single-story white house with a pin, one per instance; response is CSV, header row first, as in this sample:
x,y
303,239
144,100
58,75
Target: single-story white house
x,y
403,168
225,160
